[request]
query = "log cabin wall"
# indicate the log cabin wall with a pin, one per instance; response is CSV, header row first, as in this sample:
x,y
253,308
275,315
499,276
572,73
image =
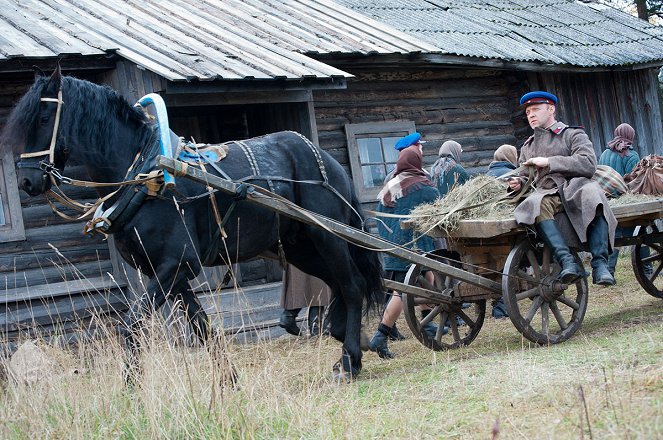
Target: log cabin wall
x,y
600,101
473,107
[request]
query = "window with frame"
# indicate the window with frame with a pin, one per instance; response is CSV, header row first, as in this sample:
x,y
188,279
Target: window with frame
x,y
11,217
372,154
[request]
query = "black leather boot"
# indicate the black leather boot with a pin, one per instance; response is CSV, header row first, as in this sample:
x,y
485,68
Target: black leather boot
x,y
288,321
597,237
378,342
395,335
553,238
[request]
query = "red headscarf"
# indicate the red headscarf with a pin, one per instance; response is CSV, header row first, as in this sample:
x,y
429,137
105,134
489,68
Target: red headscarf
x,y
624,135
409,175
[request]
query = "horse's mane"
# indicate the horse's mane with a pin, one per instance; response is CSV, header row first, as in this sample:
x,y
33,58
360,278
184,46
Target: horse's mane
x,y
23,118
90,112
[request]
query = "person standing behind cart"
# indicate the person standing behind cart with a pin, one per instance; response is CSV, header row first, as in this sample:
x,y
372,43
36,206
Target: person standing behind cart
x,y
505,160
564,162
408,188
621,157
447,171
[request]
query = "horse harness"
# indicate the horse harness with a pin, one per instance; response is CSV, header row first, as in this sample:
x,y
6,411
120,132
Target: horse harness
x,y
212,252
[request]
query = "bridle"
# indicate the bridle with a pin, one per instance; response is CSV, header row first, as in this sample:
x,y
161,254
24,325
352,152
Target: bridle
x,y
47,167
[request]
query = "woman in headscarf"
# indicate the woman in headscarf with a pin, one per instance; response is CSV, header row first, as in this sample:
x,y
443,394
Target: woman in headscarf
x,y
620,154
447,171
504,161
408,188
621,157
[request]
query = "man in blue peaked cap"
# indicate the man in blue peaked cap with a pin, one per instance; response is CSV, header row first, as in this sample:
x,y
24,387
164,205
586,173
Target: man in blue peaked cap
x,y
564,161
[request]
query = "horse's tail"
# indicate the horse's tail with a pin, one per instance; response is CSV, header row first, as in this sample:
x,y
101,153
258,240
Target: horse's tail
x,y
367,261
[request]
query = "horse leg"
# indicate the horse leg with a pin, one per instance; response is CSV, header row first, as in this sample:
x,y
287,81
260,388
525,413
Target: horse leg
x,y
333,264
140,310
200,324
193,311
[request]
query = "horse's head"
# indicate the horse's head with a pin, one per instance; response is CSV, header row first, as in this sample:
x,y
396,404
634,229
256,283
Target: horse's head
x,y
33,131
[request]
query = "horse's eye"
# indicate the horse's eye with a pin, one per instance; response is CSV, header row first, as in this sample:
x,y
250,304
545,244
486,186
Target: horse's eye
x,y
44,119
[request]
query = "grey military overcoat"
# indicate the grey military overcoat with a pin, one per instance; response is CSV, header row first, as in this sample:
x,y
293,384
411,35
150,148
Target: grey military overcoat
x,y
572,164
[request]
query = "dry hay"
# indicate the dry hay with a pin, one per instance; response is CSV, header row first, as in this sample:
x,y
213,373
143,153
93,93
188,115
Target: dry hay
x,y
486,192
630,198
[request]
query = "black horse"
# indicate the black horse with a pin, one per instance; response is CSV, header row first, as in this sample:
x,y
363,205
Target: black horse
x,y
102,131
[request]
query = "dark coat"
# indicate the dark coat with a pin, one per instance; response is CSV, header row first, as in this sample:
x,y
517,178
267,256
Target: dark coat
x,y
572,165
301,290
423,194
499,168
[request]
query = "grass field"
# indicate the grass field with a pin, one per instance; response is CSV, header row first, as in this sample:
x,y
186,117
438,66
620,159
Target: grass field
x,y
604,383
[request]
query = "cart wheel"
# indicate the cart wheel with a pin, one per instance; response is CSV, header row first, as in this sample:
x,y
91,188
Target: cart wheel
x,y
647,261
457,323
532,293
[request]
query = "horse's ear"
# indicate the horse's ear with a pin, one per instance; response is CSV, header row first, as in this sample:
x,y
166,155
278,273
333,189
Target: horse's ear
x,y
38,72
56,77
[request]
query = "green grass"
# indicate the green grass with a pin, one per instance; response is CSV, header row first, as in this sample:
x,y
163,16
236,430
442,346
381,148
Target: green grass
x,y
604,383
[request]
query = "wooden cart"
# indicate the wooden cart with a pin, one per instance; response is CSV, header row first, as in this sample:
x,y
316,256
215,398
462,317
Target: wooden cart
x,y
543,309
486,260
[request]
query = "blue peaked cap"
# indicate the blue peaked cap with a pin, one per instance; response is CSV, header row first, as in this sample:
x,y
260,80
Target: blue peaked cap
x,y
538,97
408,140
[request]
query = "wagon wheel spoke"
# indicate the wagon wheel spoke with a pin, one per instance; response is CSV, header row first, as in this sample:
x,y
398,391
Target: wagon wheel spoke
x,y
444,317
466,318
527,277
531,258
569,302
431,315
558,315
544,318
529,293
454,327
656,272
656,246
651,258
532,309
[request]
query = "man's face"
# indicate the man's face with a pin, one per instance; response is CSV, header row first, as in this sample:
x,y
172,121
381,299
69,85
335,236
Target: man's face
x,y
540,115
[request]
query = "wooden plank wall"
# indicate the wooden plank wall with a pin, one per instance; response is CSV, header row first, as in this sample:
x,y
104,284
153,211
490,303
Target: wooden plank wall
x,y
473,107
602,100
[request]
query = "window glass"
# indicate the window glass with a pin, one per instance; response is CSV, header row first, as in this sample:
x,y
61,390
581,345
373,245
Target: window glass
x,y
373,175
372,154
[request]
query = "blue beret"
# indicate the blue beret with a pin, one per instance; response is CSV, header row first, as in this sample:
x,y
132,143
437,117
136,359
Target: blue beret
x,y
408,140
538,97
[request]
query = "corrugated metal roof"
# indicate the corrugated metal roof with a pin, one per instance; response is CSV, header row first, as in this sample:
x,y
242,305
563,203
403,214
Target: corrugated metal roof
x,y
202,39
563,32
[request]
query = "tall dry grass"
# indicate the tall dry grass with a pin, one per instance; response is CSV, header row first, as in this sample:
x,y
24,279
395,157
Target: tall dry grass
x,y
606,382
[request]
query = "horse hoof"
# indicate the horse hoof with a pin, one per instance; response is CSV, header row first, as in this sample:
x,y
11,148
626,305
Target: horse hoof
x,y
339,375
